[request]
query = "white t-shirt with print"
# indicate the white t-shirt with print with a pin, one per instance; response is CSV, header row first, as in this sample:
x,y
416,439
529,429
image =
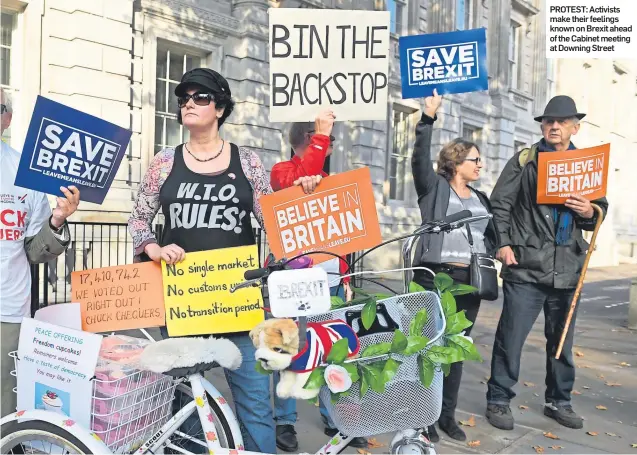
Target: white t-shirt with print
x,y
23,212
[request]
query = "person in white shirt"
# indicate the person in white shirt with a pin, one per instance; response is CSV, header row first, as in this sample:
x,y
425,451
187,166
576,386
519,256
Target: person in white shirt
x,y
29,233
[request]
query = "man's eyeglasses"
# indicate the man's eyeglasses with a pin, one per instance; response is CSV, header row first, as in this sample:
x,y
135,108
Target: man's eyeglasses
x,y
200,99
332,138
476,160
3,109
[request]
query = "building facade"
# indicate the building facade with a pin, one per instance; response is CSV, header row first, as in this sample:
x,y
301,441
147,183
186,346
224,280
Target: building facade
x,y
121,59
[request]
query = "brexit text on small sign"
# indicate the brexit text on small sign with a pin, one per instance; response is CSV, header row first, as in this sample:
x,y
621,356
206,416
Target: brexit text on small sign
x,y
335,59
67,147
454,62
583,172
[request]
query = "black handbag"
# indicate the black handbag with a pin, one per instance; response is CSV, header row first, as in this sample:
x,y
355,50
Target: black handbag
x,y
483,274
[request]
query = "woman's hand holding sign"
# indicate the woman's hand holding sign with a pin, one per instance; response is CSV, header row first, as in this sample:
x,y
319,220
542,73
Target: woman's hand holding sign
x,y
171,254
66,206
308,183
432,103
580,205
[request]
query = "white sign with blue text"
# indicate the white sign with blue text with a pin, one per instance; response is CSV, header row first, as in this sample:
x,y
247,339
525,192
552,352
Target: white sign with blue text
x,y
56,365
453,62
66,147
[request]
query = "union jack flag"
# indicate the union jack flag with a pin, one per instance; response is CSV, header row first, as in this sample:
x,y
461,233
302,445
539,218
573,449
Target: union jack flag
x,y
321,336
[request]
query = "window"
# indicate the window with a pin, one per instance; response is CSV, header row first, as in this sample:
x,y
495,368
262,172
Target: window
x,y
464,13
514,55
399,158
471,133
171,65
550,77
8,81
395,8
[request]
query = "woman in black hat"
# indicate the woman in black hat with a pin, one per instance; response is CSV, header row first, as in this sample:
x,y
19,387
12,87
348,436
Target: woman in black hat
x,y
207,189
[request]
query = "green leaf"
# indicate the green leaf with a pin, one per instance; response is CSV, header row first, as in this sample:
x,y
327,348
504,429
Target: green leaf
x,y
426,371
260,369
446,368
337,302
448,304
369,314
314,400
339,351
381,296
399,343
316,379
335,397
442,281
364,383
444,354
376,349
417,324
462,289
456,323
390,370
462,343
415,287
415,344
374,377
352,370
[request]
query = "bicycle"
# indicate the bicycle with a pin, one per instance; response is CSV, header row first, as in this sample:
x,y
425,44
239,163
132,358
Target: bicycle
x,y
34,429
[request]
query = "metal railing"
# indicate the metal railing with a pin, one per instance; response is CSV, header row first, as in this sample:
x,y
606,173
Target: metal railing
x,y
95,245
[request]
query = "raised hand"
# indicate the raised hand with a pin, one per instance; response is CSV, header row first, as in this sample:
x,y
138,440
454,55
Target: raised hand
x,y
432,103
324,122
66,206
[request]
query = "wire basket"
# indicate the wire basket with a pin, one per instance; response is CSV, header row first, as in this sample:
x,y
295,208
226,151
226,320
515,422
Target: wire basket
x,y
406,403
129,405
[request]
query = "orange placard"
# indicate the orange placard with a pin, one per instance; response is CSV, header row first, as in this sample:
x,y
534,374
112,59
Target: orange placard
x,y
123,297
339,217
583,172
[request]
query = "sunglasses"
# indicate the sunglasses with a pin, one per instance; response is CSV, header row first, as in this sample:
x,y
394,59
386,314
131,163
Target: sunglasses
x,y
332,138
476,160
200,99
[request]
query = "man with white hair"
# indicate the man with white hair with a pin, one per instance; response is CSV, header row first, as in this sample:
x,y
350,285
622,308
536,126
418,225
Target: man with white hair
x,y
29,233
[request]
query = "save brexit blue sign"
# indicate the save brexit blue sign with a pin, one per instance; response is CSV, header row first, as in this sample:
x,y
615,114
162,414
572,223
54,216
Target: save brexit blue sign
x,y
67,147
453,62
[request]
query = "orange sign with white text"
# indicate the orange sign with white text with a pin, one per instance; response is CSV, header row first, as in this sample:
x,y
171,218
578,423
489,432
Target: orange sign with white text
x,y
122,297
583,172
339,217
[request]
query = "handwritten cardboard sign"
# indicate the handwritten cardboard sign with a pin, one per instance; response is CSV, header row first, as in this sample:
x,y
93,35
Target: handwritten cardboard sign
x,y
197,293
66,147
583,172
119,298
452,62
322,58
339,217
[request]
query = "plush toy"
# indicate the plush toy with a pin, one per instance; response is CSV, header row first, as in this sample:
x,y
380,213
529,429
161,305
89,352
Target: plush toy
x,y
277,343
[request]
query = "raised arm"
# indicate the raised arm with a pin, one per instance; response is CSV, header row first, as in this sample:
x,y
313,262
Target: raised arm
x,y
284,174
421,166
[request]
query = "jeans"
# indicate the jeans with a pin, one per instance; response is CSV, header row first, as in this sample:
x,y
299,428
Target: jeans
x,y
285,408
471,305
522,305
251,396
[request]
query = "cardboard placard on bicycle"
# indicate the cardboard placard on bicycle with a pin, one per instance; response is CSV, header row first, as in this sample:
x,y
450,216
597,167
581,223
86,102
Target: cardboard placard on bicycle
x,y
197,293
122,297
339,217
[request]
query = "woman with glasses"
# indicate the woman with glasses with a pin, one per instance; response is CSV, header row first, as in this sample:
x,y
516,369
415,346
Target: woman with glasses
x,y
206,189
441,193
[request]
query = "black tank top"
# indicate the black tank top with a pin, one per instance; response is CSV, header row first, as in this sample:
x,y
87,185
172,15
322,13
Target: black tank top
x,y
207,212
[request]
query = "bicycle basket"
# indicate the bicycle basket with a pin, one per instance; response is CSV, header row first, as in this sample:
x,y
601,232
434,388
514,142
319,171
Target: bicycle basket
x,y
406,403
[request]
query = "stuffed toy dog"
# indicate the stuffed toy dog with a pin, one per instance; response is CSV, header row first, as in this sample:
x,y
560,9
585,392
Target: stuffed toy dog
x,y
277,343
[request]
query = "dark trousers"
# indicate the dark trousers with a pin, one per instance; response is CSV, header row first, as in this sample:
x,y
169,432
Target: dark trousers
x,y
522,305
471,305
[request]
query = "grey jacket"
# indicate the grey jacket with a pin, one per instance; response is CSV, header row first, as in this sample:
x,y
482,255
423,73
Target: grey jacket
x,y
433,198
528,228
44,246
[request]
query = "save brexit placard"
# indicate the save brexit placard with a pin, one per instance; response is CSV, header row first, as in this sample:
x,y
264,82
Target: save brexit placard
x,y
339,217
198,297
323,58
453,62
583,172
65,147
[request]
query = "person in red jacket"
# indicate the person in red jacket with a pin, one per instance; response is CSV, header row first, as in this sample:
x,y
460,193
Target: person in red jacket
x,y
312,144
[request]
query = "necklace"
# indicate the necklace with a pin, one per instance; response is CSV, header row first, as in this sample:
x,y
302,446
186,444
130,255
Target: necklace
x,y
209,159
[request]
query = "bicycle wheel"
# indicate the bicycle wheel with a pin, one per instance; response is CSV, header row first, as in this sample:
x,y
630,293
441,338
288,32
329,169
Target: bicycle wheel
x,y
189,436
36,436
